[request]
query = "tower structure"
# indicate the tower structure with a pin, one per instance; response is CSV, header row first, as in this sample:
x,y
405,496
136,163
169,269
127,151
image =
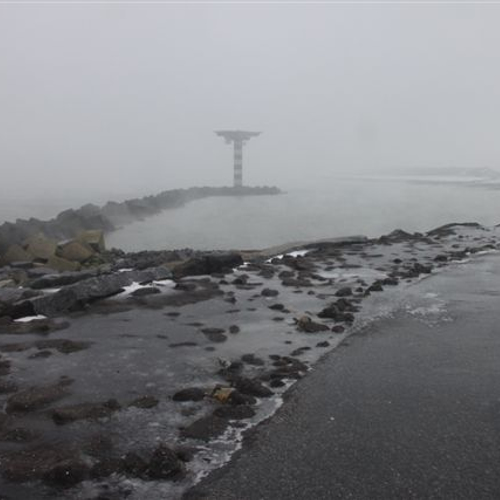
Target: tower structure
x,y
238,138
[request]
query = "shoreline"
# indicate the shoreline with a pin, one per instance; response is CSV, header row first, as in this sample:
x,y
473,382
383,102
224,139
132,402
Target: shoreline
x,y
206,349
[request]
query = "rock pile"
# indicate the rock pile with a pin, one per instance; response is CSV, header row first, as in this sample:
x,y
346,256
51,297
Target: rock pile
x,y
40,251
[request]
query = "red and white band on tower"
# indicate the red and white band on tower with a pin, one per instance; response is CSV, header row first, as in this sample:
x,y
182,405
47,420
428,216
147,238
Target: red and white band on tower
x,y
238,138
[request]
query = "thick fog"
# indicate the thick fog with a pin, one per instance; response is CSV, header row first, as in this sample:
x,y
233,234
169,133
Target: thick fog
x,y
121,100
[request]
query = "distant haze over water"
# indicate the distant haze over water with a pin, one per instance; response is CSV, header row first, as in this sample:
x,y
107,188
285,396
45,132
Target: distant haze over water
x,y
341,207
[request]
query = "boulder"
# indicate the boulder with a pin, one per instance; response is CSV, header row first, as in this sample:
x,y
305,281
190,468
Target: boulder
x,y
75,251
61,265
75,296
40,247
94,238
16,253
61,279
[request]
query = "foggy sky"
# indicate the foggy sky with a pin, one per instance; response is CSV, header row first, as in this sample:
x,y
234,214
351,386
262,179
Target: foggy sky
x,y
125,98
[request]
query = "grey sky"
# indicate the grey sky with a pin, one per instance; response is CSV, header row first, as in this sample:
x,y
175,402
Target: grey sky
x,y
125,98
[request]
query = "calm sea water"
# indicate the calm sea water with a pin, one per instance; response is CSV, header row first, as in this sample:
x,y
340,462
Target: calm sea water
x,y
338,208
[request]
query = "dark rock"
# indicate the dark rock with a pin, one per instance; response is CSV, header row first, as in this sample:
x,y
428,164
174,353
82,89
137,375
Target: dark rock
x,y
189,394
134,465
307,325
251,359
209,264
35,398
205,428
40,355
73,297
375,287
106,467
7,387
338,329
18,435
56,466
344,292
183,344
64,346
67,414
186,453
325,343
277,307
214,334
300,351
390,281
145,402
234,329
268,292
142,292
252,387
165,464
240,412
276,382
4,367
296,282
61,279
237,398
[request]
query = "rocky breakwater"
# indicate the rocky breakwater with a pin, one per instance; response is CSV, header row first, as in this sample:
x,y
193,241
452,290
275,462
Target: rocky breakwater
x,y
15,237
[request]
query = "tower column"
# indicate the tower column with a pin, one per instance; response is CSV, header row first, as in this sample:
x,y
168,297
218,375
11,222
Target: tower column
x,y
238,163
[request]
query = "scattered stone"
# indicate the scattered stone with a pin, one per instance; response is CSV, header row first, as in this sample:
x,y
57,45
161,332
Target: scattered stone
x,y
307,325
183,344
251,359
142,292
53,465
209,264
205,428
325,343
18,435
344,292
252,387
214,334
40,355
7,387
165,464
189,394
268,292
35,398
338,329
239,412
145,402
83,411
106,467
375,287
299,351
276,383
134,465
234,329
277,307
